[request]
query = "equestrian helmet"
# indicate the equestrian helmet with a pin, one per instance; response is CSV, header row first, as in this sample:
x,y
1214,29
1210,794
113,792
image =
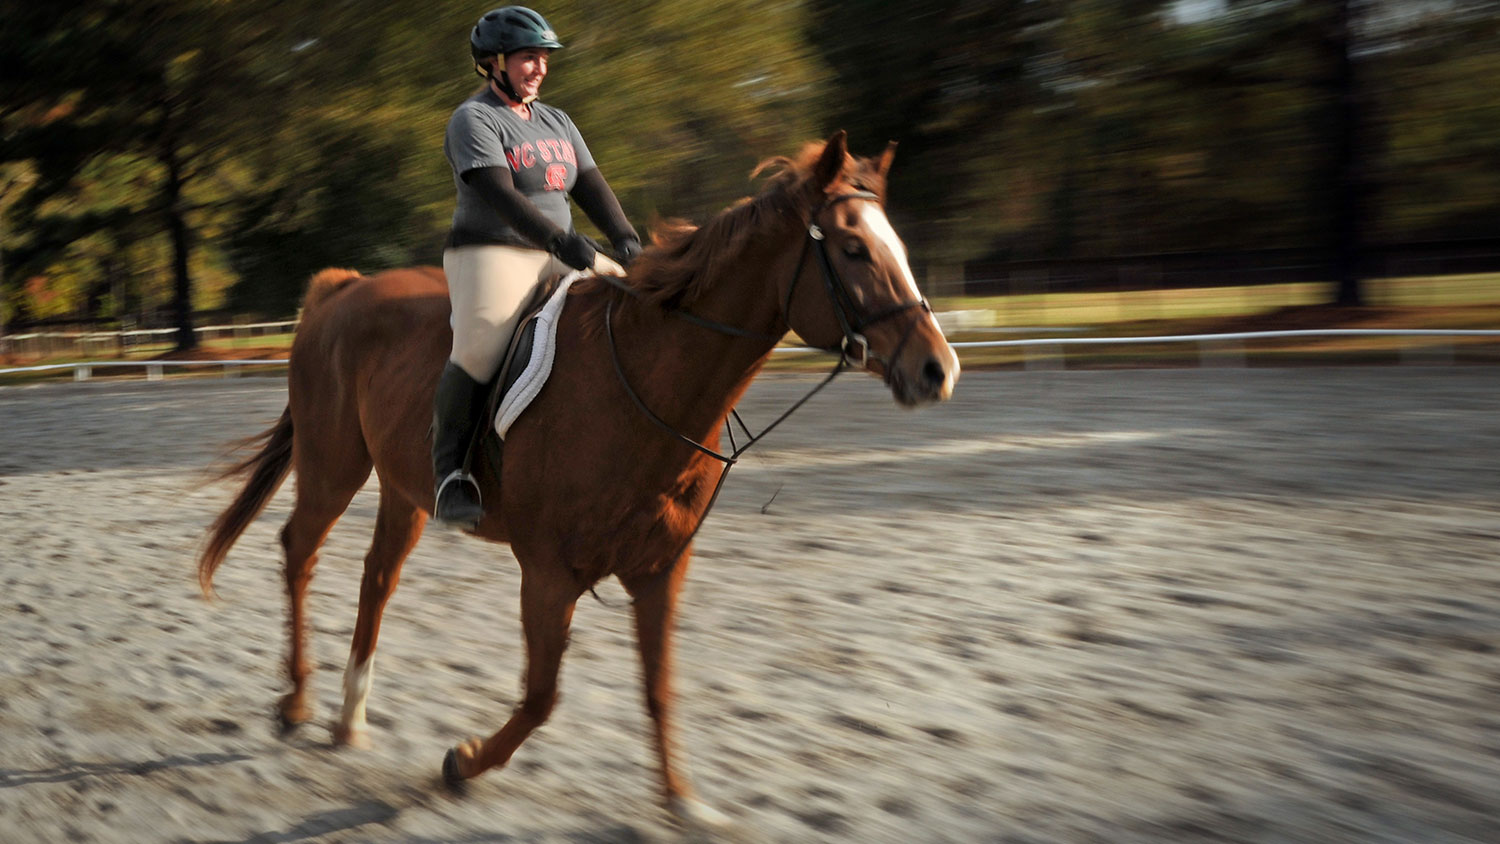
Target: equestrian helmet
x,y
511,28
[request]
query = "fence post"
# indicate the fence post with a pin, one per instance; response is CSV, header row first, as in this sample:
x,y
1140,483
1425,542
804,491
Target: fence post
x,y
1422,354
1230,353
82,373
1035,359
153,372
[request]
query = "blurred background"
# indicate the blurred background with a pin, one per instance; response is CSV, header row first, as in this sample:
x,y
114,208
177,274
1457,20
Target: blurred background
x,y
172,162
1121,606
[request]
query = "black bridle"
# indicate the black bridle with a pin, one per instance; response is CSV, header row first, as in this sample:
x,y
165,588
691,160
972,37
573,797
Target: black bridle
x,y
851,322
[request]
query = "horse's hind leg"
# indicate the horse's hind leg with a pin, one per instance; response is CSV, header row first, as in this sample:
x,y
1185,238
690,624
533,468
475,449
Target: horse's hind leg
x,y
655,605
398,526
547,602
321,499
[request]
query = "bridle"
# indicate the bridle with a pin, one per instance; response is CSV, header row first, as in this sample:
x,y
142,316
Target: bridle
x,y
851,322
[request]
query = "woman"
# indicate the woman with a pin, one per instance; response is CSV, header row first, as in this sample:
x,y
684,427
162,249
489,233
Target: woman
x,y
515,161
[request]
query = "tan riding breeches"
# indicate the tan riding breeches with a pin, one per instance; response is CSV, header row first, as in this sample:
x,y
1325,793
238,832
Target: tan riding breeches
x,y
488,285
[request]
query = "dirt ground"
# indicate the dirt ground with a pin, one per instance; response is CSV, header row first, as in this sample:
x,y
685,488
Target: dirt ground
x,y
1156,606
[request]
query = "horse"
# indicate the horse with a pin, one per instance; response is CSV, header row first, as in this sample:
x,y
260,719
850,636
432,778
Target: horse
x,y
591,485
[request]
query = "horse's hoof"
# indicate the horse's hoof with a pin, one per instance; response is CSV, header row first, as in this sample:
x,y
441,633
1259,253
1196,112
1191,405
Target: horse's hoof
x,y
290,714
357,738
695,814
451,777
465,755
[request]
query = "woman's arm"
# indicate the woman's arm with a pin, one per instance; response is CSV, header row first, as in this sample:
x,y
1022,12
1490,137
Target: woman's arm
x,y
498,188
600,204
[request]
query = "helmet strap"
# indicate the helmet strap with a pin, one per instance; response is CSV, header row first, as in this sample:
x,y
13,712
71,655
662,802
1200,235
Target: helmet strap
x,y
503,82
510,90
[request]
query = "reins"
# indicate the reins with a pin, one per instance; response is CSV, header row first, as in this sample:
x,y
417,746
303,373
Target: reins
x,y
733,456
851,323
689,316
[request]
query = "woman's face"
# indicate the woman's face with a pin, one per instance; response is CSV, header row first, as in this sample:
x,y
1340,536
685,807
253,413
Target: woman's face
x,y
527,69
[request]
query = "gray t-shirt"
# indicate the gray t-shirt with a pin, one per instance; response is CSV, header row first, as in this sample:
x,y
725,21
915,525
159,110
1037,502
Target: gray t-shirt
x,y
544,154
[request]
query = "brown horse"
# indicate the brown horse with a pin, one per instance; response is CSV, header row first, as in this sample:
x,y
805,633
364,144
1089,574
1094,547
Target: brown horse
x,y
592,485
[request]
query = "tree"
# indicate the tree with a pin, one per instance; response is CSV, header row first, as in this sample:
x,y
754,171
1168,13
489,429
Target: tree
x,y
1347,143
172,89
941,78
169,147
677,103
1433,176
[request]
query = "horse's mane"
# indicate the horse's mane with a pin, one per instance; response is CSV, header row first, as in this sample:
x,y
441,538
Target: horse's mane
x,y
683,259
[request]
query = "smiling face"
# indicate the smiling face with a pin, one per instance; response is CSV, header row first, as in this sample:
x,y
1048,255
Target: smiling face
x,y
527,68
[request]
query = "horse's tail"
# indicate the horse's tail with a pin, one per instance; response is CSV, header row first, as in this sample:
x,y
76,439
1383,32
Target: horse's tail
x,y
267,469
324,284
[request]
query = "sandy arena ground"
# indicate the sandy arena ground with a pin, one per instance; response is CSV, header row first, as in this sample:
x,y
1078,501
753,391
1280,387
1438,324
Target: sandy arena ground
x,y
1148,606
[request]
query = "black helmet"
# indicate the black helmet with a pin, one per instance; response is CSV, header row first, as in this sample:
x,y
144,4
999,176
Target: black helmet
x,y
511,28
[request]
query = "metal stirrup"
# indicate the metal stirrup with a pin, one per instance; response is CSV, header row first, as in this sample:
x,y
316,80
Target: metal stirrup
x,y
462,477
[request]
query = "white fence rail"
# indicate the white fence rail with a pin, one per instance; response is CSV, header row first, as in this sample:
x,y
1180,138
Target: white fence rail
x,y
155,369
50,342
1228,349
1213,349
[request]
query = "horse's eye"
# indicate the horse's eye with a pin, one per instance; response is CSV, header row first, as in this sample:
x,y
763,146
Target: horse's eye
x,y
856,250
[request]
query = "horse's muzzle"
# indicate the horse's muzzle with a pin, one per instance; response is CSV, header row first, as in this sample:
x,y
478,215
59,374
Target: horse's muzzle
x,y
928,378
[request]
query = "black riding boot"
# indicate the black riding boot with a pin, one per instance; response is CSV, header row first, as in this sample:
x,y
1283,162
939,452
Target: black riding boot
x,y
456,411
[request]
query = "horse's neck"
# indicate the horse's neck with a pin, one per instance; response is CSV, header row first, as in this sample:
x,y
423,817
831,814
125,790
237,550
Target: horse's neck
x,y
698,372
745,296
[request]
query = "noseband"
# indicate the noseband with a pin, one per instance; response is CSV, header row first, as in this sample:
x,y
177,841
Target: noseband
x,y
851,321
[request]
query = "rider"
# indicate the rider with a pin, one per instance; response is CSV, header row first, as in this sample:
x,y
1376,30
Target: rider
x,y
515,160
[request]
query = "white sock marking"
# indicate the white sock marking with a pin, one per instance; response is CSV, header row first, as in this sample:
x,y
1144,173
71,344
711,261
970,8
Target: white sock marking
x,y
358,679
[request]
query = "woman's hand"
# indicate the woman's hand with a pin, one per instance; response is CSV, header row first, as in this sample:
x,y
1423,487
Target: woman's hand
x,y
627,248
574,249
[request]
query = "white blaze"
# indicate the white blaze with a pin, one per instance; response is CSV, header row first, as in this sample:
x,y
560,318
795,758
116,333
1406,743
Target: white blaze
x,y
880,226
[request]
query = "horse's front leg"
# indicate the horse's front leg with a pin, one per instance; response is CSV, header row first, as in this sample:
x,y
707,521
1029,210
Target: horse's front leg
x,y
547,601
655,610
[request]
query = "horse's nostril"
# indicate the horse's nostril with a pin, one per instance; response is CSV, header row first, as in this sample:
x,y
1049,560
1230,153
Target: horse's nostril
x,y
932,373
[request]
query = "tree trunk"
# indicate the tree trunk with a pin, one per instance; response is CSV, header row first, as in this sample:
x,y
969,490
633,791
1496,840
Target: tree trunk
x,y
182,283
1347,199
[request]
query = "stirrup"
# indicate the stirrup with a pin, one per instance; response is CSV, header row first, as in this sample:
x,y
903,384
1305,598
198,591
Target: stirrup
x,y
465,519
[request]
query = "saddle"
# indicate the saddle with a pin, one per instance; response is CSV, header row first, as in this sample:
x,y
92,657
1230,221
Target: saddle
x,y
524,369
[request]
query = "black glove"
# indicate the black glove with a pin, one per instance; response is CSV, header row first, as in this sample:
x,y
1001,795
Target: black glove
x,y
627,249
573,249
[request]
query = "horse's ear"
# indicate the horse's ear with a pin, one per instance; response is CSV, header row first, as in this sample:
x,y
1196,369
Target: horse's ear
x,y
831,162
885,159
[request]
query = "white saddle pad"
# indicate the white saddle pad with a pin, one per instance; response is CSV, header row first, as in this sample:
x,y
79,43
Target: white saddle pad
x,y
543,352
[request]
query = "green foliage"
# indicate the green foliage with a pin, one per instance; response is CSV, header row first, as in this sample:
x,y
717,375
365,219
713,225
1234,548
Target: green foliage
x,y
945,79
344,202
1441,131
131,112
291,135
679,100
